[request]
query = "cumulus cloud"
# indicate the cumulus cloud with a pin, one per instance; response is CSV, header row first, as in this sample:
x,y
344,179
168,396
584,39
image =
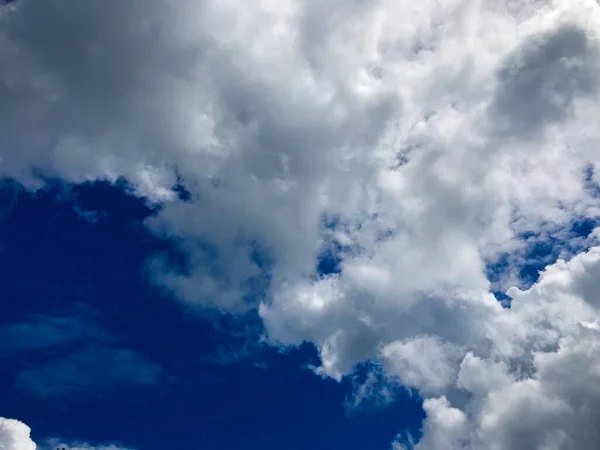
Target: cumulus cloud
x,y
15,435
536,385
423,363
425,142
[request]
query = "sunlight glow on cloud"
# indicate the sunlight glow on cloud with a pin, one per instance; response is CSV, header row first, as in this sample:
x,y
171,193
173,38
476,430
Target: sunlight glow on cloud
x,y
426,141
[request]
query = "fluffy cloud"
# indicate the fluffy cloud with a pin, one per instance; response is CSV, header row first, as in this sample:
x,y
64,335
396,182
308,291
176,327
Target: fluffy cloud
x,y
423,363
15,435
425,142
536,385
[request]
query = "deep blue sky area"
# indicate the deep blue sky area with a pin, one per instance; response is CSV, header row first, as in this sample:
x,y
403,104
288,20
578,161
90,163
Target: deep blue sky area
x,y
90,350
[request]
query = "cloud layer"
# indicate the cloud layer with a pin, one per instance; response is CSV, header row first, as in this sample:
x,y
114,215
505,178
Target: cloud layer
x,y
421,143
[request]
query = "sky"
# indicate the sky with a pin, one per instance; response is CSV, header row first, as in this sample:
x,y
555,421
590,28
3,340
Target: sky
x,y
288,224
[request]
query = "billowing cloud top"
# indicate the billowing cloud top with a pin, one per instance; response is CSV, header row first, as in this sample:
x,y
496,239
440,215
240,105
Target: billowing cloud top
x,y
14,435
423,142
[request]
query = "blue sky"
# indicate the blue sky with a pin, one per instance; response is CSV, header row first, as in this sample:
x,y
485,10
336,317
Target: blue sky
x,y
78,298
291,223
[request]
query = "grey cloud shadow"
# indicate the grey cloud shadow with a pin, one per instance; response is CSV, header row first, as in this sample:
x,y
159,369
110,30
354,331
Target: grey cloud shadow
x,y
540,81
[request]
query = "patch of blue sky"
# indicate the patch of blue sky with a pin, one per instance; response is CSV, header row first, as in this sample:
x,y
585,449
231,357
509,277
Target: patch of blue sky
x,y
120,358
542,248
539,251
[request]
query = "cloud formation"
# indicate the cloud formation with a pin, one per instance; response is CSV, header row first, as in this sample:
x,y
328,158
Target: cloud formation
x,y
424,142
533,381
15,435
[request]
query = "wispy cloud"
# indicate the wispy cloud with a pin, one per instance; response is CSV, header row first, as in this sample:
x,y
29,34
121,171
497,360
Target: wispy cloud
x,y
71,354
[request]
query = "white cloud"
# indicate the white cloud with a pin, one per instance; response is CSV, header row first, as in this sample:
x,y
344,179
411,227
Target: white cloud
x,y
423,363
431,136
536,386
15,435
